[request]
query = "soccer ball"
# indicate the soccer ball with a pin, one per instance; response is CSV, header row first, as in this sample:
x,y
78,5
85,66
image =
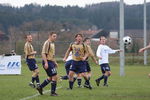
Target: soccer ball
x,y
127,40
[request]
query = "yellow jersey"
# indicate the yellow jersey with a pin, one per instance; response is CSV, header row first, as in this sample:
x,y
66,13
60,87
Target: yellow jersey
x,y
49,50
78,51
28,49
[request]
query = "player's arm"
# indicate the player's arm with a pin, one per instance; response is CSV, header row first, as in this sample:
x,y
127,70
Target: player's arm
x,y
45,60
111,51
86,52
28,51
44,53
33,53
98,52
68,52
55,62
145,48
92,55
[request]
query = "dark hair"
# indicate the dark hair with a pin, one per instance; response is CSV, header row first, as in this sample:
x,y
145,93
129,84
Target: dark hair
x,y
51,33
101,37
27,35
79,35
87,38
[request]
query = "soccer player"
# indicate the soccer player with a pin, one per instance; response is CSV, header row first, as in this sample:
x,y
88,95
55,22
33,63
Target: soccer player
x,y
102,53
79,55
145,48
87,41
49,64
31,62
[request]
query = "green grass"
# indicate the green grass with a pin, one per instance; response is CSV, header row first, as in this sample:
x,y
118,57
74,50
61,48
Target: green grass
x,y
135,85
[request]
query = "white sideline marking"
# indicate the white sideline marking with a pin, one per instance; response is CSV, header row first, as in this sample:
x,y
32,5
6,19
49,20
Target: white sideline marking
x,y
29,97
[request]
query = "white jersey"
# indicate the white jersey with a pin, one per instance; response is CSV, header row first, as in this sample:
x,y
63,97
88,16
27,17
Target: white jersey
x,y
103,51
69,57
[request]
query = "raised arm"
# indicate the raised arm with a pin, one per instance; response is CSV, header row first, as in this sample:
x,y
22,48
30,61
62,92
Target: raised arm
x,y
145,48
67,53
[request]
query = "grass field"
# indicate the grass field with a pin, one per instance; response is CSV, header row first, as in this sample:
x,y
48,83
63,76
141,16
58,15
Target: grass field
x,y
135,85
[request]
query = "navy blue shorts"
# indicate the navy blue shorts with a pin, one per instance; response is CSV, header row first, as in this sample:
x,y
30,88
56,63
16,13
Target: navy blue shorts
x,y
105,67
88,66
31,64
78,66
67,66
51,71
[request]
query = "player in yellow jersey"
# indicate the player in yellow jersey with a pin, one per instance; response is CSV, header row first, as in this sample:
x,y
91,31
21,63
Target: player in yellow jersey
x,y
79,55
49,64
31,62
87,41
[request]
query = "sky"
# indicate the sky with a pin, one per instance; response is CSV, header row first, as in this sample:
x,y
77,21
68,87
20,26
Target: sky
x,y
81,3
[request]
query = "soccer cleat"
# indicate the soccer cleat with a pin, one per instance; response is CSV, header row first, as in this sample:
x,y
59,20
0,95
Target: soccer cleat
x,y
85,85
79,86
88,86
38,85
40,90
31,85
105,85
69,89
64,77
54,94
97,82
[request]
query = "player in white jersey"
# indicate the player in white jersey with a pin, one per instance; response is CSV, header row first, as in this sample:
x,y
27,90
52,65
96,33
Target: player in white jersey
x,y
102,53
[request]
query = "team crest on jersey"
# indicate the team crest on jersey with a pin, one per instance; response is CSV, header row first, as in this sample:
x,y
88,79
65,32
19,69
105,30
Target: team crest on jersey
x,y
77,52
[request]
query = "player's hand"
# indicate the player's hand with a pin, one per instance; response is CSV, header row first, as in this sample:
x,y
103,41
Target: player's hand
x,y
141,50
120,50
96,62
64,59
34,52
83,58
56,65
99,57
46,66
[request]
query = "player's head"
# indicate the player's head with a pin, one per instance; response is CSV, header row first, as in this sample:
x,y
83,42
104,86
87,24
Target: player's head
x,y
87,41
102,39
79,37
29,38
52,36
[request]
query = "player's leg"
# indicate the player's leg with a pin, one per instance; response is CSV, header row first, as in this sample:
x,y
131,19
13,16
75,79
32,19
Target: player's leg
x,y
87,81
72,70
71,79
54,85
79,79
107,74
32,67
101,77
46,81
67,67
36,74
88,73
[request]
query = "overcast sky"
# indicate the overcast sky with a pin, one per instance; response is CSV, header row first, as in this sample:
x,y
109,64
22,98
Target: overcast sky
x,y
80,3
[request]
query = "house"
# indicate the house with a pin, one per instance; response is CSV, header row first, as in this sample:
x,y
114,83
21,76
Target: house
x,y
3,36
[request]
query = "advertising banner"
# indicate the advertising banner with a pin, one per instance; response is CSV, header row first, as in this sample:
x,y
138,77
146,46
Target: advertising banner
x,y
10,64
